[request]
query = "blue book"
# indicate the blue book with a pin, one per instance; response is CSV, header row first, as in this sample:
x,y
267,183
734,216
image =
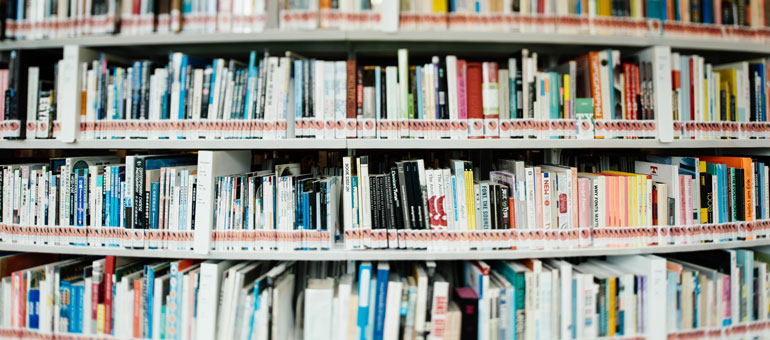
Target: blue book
x,y
136,86
251,85
708,11
78,293
66,300
383,274
745,260
364,281
164,103
299,85
33,300
154,204
149,279
418,80
255,307
80,197
554,91
513,104
182,87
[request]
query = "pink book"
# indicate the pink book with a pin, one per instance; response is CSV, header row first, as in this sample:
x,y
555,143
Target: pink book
x,y
462,97
538,197
688,199
683,194
584,212
574,197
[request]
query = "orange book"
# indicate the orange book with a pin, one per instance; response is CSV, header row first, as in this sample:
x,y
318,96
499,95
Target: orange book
x,y
325,4
138,308
745,164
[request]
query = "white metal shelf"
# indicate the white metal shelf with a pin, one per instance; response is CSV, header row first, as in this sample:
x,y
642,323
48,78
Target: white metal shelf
x,y
445,144
402,36
339,254
177,144
551,144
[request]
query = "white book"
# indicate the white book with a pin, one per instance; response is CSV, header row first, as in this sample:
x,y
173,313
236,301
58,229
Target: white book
x,y
451,69
660,59
213,164
422,298
342,311
33,86
667,174
71,81
197,94
282,312
393,308
318,311
654,268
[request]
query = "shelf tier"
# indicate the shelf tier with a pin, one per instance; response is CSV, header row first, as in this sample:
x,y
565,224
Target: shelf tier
x,y
441,37
339,254
446,144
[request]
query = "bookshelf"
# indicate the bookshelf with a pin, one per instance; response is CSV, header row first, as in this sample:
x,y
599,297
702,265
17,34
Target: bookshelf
x,y
491,40
621,260
339,253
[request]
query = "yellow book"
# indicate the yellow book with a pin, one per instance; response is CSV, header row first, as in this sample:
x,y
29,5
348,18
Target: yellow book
x,y
567,97
704,212
611,298
100,319
718,98
439,6
470,198
604,8
730,81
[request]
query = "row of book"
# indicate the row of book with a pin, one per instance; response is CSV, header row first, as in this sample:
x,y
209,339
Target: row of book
x,y
600,94
291,96
176,201
707,18
621,296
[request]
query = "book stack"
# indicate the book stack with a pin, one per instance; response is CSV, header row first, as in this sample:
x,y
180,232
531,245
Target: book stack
x,y
710,19
719,101
185,98
275,97
215,200
619,296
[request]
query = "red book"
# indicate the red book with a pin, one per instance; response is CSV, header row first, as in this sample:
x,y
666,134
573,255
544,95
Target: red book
x,y
589,82
692,89
637,91
628,92
109,271
137,308
350,112
462,95
473,90
596,84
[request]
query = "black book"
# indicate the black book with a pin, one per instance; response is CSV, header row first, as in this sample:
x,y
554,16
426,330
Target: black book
x,y
723,105
205,93
412,186
706,197
389,204
740,195
493,206
404,194
373,201
443,108
307,84
505,213
381,211
144,103
396,198
422,210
